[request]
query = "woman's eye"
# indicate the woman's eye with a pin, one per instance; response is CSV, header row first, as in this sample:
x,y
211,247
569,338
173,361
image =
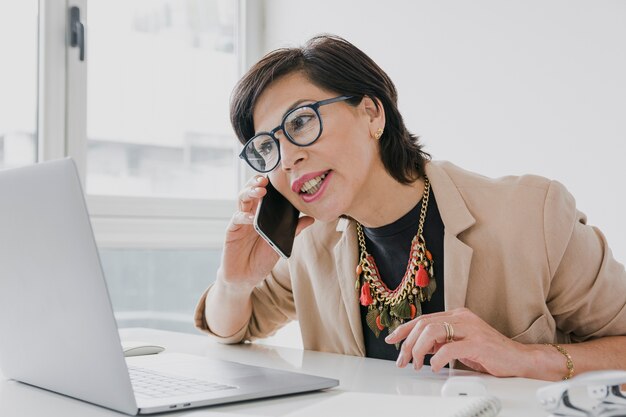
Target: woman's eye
x,y
264,148
299,120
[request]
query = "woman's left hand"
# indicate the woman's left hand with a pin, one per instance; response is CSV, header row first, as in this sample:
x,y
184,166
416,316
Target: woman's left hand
x,y
475,343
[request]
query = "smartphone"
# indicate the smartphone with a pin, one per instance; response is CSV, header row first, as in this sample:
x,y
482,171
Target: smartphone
x,y
276,220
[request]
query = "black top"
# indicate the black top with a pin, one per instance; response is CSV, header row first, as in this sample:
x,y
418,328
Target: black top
x,y
390,245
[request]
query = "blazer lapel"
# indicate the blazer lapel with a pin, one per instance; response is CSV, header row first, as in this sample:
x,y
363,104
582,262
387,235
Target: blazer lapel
x,y
456,219
458,256
346,259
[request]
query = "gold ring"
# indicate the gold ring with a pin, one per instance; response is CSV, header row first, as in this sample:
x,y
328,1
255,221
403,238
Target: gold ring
x,y
449,332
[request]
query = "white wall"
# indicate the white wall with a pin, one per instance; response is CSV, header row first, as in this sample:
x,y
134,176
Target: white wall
x,y
498,87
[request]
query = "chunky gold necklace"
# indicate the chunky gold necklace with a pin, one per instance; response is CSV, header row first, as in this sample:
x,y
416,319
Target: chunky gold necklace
x,y
390,308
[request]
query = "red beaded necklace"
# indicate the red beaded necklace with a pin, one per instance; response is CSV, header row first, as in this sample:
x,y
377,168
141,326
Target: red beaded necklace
x,y
390,308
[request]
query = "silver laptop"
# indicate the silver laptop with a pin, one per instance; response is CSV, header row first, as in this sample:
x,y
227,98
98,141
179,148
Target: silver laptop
x,y
56,320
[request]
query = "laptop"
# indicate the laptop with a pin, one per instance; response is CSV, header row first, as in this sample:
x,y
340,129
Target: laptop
x,y
56,320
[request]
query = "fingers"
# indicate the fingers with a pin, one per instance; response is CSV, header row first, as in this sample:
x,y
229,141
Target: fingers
x,y
238,219
249,196
248,199
458,335
421,328
449,352
435,338
426,337
466,352
401,332
429,333
405,329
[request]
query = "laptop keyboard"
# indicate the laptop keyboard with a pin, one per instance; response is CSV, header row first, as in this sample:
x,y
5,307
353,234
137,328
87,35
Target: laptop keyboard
x,y
152,384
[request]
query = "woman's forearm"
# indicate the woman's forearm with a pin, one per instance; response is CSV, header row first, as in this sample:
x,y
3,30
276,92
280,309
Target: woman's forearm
x,y
228,307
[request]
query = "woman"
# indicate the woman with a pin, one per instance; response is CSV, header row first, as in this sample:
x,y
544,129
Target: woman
x,y
397,256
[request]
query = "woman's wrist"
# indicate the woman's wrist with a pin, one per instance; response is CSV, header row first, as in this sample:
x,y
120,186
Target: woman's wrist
x,y
549,363
569,363
233,287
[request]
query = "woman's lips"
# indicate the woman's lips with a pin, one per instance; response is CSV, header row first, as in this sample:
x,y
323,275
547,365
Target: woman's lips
x,y
297,185
309,198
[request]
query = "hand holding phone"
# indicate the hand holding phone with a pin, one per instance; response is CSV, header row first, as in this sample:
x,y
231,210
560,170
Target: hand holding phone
x,y
276,220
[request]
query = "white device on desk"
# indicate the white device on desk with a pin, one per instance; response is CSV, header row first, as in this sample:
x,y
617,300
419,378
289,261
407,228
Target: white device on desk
x,y
134,348
462,386
602,386
53,291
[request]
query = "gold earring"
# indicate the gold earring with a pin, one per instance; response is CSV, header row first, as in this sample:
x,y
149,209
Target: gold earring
x,y
378,133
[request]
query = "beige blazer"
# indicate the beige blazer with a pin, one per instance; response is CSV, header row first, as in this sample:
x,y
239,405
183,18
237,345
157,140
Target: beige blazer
x,y
517,253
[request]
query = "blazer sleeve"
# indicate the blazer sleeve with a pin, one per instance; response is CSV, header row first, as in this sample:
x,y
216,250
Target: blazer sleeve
x,y
272,307
587,289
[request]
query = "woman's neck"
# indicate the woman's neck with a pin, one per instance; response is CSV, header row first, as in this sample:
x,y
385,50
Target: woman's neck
x,y
386,200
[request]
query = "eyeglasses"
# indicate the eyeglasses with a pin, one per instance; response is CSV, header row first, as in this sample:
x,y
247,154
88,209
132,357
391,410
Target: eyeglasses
x,y
302,126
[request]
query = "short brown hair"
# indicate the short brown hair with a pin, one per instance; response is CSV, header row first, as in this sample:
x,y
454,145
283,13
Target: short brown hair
x,y
334,64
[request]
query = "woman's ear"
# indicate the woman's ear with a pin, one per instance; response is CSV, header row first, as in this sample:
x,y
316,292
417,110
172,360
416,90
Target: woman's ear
x,y
376,114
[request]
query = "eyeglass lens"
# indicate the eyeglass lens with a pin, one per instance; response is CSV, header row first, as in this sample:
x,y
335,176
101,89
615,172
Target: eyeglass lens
x,y
301,125
262,153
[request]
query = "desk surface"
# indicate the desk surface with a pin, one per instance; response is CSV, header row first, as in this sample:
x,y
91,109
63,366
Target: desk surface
x,y
355,374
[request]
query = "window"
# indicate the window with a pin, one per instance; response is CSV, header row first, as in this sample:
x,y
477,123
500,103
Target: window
x,y
157,287
145,117
158,86
157,150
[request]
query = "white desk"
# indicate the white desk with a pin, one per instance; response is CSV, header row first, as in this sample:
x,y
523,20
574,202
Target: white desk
x,y
355,374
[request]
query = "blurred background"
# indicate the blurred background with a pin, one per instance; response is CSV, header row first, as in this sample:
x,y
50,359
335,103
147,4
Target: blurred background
x,y
496,87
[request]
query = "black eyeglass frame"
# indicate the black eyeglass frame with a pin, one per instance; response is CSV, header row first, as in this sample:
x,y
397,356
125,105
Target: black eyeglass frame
x,y
272,134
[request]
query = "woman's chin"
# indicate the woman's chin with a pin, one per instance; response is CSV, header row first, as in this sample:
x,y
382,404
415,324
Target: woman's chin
x,y
324,212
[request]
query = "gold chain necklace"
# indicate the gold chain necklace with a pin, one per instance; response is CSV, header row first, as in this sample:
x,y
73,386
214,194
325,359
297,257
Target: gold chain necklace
x,y
390,308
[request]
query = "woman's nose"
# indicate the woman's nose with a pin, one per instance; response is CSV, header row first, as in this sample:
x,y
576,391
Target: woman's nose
x,y
290,154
